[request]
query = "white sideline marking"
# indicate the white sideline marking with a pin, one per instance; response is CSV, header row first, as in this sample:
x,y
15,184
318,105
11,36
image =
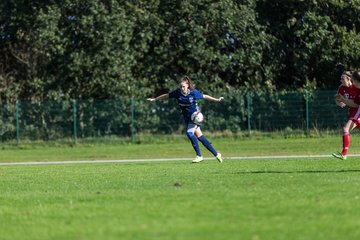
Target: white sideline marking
x,y
167,159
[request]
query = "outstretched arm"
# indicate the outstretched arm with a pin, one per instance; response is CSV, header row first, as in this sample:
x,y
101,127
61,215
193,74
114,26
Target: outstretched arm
x,y
212,99
340,104
348,102
158,98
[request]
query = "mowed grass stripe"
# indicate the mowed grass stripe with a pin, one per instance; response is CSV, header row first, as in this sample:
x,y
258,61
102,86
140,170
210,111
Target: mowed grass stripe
x,y
229,147
166,160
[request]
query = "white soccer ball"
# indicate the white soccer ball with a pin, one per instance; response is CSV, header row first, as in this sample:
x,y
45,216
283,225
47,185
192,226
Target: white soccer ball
x,y
197,117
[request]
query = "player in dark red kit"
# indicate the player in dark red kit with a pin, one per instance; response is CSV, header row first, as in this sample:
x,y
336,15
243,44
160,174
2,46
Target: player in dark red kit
x,y
348,94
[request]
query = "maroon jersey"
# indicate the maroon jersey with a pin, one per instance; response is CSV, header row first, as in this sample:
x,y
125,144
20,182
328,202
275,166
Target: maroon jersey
x,y
352,93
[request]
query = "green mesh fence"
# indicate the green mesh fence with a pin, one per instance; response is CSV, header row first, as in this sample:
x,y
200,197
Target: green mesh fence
x,y
82,119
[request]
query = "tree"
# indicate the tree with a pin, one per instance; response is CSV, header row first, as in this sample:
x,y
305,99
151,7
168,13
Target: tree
x,y
114,48
315,38
219,44
89,47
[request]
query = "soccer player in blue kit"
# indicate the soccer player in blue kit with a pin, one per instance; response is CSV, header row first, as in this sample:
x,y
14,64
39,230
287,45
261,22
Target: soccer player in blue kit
x,y
187,98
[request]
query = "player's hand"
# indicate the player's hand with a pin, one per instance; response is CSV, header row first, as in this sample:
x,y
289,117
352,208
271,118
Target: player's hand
x,y
340,104
151,99
221,99
339,97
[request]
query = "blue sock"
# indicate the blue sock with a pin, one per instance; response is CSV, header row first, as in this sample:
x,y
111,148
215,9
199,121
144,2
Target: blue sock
x,y
207,144
194,142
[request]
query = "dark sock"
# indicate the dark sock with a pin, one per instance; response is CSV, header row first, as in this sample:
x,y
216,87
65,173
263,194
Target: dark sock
x,y
207,144
194,142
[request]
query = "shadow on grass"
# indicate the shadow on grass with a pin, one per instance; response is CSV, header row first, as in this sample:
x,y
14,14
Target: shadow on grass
x,y
301,171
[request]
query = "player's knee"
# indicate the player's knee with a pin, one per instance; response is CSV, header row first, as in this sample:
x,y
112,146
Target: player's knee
x,y
201,138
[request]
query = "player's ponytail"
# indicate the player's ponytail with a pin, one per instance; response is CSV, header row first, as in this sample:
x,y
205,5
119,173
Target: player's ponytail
x,y
356,76
188,81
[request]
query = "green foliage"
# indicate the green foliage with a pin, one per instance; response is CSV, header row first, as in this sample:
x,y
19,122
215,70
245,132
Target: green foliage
x,y
109,49
112,49
318,39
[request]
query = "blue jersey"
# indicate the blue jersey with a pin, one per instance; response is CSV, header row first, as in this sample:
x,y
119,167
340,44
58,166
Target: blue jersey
x,y
187,103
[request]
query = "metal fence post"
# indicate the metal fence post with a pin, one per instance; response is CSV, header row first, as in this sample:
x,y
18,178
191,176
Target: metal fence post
x,y
132,120
249,112
75,129
307,112
17,123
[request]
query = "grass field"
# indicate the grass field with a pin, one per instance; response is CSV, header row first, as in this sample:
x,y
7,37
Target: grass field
x,y
177,148
294,198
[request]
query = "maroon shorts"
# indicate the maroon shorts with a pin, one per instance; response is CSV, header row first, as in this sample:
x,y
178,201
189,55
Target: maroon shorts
x,y
356,122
